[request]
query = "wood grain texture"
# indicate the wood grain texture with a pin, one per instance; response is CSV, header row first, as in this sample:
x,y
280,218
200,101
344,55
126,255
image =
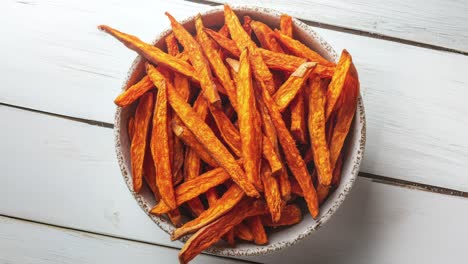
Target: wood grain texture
x,y
414,97
438,23
65,173
27,242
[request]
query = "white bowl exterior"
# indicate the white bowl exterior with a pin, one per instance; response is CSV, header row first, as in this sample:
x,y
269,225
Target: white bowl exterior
x,y
354,148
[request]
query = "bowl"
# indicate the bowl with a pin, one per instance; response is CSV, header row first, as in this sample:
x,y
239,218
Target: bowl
x,y
284,237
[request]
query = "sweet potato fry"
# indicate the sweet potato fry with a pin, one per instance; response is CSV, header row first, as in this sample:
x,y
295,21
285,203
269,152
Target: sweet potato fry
x,y
138,146
224,31
228,131
338,81
198,61
290,215
272,193
212,197
160,148
131,128
216,62
181,131
271,156
295,188
265,36
210,234
345,115
242,231
204,134
193,188
298,124
286,25
134,92
181,83
316,123
247,26
242,39
229,199
258,231
249,124
301,50
223,41
285,185
293,157
293,85
151,53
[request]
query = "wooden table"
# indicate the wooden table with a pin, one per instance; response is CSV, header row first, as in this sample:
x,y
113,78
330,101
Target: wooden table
x,y
63,199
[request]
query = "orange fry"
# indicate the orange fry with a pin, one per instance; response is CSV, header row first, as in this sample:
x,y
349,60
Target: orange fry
x,y
301,50
243,40
227,130
198,61
193,188
288,91
181,83
223,41
131,128
138,146
243,232
272,193
210,234
258,231
293,157
298,126
286,25
249,125
229,199
134,92
160,148
290,215
224,31
265,36
216,62
316,123
295,188
271,156
151,53
204,134
285,185
338,81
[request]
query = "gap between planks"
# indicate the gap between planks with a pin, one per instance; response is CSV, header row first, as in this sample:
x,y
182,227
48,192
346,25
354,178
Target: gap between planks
x,y
359,32
116,237
373,177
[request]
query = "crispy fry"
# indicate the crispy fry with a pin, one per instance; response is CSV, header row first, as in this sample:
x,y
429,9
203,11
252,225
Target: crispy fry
x,y
249,124
265,36
292,86
316,123
160,148
298,125
224,31
242,231
344,115
338,81
286,25
198,61
242,39
285,185
271,156
223,41
295,188
212,197
131,128
290,215
301,50
134,92
210,234
227,130
293,157
258,231
138,146
151,53
181,83
272,193
247,26
204,134
216,62
193,188
229,199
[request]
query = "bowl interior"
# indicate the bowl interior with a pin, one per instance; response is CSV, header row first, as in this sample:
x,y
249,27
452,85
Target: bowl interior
x,y
279,238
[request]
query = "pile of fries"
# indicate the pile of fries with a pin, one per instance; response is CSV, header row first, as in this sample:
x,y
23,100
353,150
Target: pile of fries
x,y
236,126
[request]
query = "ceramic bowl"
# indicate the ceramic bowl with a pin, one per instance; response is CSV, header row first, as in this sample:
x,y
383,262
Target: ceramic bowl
x,y
280,238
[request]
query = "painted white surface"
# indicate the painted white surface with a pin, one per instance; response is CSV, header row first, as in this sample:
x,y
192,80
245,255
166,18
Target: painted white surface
x,y
435,22
25,242
62,172
414,97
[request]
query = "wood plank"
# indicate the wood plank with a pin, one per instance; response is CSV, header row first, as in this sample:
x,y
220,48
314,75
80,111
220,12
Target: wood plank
x,y
438,23
27,242
64,173
414,97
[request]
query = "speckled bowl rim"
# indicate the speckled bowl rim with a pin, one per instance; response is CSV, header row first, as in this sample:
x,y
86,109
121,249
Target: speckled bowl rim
x,y
254,250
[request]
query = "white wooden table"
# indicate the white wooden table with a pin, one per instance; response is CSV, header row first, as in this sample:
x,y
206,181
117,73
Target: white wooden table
x,y
63,199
